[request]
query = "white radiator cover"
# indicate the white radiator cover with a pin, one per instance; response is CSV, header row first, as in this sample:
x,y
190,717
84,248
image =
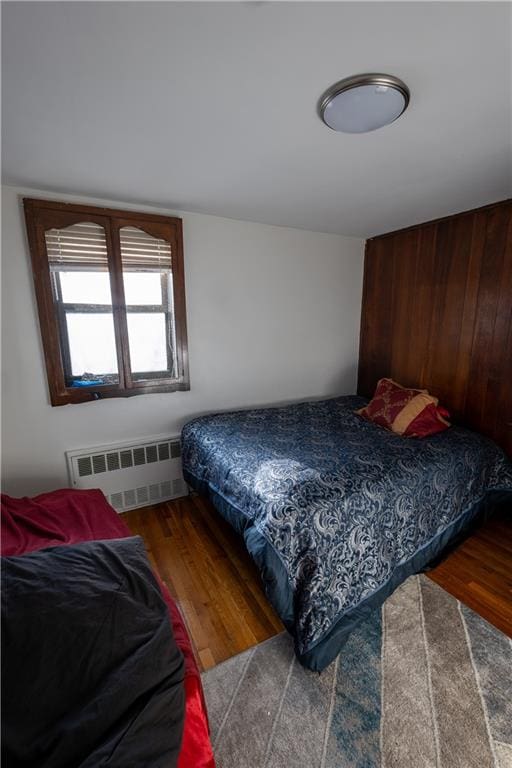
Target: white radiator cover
x,y
133,474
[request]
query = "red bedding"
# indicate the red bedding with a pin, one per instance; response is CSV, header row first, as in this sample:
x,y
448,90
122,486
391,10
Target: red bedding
x,y
69,516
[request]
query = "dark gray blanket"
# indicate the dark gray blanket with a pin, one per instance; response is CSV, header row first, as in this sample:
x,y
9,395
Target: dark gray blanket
x,y
92,676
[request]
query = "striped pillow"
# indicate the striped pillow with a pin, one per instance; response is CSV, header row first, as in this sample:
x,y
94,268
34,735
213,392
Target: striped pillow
x,y
405,411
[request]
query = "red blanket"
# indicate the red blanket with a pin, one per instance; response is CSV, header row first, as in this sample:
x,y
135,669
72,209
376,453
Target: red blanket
x,y
68,517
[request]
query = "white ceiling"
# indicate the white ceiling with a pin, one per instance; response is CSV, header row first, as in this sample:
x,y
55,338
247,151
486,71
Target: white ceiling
x,y
211,107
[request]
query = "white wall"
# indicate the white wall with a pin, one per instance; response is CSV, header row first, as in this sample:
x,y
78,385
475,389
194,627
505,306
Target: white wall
x,y
273,316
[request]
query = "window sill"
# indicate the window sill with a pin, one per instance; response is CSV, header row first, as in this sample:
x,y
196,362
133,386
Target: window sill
x,y
82,395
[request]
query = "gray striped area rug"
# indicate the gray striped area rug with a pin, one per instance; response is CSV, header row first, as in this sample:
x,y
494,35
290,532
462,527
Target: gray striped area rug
x,y
423,683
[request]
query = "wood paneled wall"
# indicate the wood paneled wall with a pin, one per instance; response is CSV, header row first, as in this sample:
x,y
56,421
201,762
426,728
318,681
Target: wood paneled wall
x,y
437,313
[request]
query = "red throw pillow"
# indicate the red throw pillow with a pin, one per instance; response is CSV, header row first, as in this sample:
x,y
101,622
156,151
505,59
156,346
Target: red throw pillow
x,y
405,411
388,400
430,420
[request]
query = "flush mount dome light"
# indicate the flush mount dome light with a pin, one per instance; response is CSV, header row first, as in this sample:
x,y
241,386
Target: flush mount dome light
x,y
363,103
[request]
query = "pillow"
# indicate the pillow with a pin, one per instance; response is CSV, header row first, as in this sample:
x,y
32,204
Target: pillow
x,y
388,400
405,411
91,674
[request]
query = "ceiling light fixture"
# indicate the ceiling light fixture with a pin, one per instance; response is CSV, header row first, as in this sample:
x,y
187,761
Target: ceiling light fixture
x,y
363,103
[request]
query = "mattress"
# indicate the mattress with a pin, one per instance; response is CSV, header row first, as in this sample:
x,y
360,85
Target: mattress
x,y
336,511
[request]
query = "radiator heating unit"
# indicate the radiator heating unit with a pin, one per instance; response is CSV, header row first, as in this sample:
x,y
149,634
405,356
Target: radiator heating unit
x,y
133,474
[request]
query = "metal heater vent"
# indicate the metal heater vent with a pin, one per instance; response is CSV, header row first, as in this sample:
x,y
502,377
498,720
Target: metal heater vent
x,y
131,474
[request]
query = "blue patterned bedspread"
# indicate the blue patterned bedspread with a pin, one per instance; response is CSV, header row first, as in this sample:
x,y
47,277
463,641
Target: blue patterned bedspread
x,y
333,507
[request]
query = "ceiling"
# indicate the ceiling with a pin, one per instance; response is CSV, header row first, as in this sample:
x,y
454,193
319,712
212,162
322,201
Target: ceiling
x,y
211,107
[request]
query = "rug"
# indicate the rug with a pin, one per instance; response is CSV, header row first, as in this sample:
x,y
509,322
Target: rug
x,y
423,683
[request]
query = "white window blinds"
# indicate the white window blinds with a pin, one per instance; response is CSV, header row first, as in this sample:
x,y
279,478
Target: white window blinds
x,y
139,250
84,246
81,245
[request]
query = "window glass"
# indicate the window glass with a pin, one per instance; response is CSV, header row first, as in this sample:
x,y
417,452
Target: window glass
x,y
142,288
92,346
78,262
148,342
147,282
85,287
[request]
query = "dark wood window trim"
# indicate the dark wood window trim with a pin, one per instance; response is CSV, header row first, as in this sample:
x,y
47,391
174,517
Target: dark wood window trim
x,y
42,215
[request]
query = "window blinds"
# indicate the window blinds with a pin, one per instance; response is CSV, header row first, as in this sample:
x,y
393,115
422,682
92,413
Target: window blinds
x,y
84,246
80,245
142,251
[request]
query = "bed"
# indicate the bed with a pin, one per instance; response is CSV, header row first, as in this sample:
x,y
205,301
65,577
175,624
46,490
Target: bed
x,y
336,511
68,517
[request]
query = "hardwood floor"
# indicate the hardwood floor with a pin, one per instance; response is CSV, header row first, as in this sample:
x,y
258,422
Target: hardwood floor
x,y
210,574
218,589
479,572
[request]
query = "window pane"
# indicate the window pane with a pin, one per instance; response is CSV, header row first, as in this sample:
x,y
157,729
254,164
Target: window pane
x,y
85,287
92,348
78,261
142,288
147,276
148,342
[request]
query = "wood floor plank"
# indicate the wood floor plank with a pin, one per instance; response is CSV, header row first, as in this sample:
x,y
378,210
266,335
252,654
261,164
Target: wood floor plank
x,y
479,571
211,576
219,592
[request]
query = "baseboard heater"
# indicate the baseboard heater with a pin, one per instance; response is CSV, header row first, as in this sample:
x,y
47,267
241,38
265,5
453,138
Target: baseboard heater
x,y
134,474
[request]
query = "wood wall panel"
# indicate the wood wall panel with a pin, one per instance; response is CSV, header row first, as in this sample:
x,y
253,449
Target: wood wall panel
x,y
437,313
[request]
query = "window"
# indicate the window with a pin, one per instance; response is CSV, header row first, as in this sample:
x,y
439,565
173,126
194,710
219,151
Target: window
x,y
111,298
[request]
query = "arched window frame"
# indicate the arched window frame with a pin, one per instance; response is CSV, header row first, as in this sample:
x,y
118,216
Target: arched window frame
x,y
44,215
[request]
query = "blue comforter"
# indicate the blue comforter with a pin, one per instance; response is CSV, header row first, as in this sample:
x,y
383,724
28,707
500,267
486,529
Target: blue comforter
x,y
336,511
